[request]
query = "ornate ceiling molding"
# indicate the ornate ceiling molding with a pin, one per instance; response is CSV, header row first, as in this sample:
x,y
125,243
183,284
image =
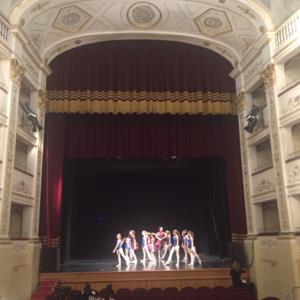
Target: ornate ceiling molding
x,y
228,27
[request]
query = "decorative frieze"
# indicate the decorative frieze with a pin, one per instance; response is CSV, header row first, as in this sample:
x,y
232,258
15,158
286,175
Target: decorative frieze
x,y
265,186
291,105
294,175
22,187
269,78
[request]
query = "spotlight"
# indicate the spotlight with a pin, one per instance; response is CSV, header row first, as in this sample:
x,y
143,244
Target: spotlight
x,y
251,118
32,117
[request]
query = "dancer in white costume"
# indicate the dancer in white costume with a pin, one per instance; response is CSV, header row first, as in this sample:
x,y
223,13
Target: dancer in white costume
x,y
119,250
192,249
175,248
145,247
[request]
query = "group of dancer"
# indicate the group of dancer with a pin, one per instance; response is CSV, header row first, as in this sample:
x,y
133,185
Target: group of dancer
x,y
159,246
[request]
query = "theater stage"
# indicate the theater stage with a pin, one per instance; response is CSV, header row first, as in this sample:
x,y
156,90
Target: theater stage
x,y
213,272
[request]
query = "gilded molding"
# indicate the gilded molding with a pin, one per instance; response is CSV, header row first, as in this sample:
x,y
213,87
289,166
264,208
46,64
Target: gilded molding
x,y
268,76
16,72
240,102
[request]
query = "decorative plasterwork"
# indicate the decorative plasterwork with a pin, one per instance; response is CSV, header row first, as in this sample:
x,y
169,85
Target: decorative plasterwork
x,y
294,175
143,15
22,187
71,19
291,105
270,243
16,71
269,78
213,22
264,186
54,24
240,103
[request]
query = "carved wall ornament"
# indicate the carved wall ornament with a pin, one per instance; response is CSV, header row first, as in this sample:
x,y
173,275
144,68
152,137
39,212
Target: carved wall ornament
x,y
294,175
292,104
10,150
213,22
71,19
268,243
143,15
265,186
22,188
16,72
268,76
240,102
246,11
39,7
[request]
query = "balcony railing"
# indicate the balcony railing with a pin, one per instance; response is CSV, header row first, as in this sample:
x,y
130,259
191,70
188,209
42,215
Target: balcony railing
x,y
288,30
4,30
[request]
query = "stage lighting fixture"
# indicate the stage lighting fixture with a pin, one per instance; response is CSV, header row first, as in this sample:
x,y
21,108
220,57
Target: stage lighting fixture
x,y
32,117
251,118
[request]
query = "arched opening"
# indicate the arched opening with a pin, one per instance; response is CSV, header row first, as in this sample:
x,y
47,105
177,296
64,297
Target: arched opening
x,y
126,112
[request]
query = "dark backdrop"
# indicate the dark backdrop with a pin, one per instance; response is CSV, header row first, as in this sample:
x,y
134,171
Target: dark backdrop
x,y
103,197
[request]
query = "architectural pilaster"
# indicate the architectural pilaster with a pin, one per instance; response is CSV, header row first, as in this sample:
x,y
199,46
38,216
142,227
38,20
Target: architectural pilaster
x,y
269,78
16,72
42,98
240,106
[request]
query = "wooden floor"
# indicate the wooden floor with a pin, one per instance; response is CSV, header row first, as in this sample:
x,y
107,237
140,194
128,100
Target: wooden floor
x,y
143,279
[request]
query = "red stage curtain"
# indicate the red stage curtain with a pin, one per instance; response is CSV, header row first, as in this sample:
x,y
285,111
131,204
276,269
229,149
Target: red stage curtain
x,y
138,137
140,65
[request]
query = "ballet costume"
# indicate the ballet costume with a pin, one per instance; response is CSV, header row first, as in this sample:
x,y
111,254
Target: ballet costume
x,y
184,246
152,248
133,248
175,248
127,247
120,253
145,248
192,251
160,242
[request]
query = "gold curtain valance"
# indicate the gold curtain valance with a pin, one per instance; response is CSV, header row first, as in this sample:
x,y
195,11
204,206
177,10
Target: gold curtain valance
x,y
143,102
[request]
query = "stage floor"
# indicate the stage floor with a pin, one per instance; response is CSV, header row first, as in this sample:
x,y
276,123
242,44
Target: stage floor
x,y
109,265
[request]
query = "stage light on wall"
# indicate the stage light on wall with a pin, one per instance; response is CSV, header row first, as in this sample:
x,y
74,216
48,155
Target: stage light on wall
x,y
32,117
253,116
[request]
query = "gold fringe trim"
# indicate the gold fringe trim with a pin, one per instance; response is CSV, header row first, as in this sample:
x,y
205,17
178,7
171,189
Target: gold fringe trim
x,y
129,102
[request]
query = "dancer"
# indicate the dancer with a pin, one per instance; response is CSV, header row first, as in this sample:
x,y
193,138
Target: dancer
x,y
160,241
145,246
192,249
175,248
119,250
127,247
152,247
167,244
184,244
134,246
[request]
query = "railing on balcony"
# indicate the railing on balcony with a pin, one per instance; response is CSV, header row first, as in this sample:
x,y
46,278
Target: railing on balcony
x,y
4,29
288,30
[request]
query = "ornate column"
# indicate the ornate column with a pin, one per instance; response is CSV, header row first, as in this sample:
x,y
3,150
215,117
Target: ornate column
x,y
41,108
16,72
240,105
269,78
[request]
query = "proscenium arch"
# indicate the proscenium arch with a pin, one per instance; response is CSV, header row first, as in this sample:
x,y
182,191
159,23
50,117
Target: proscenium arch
x,y
84,39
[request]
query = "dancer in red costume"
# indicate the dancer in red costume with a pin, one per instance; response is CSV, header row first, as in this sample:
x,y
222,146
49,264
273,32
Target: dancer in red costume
x,y
160,241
